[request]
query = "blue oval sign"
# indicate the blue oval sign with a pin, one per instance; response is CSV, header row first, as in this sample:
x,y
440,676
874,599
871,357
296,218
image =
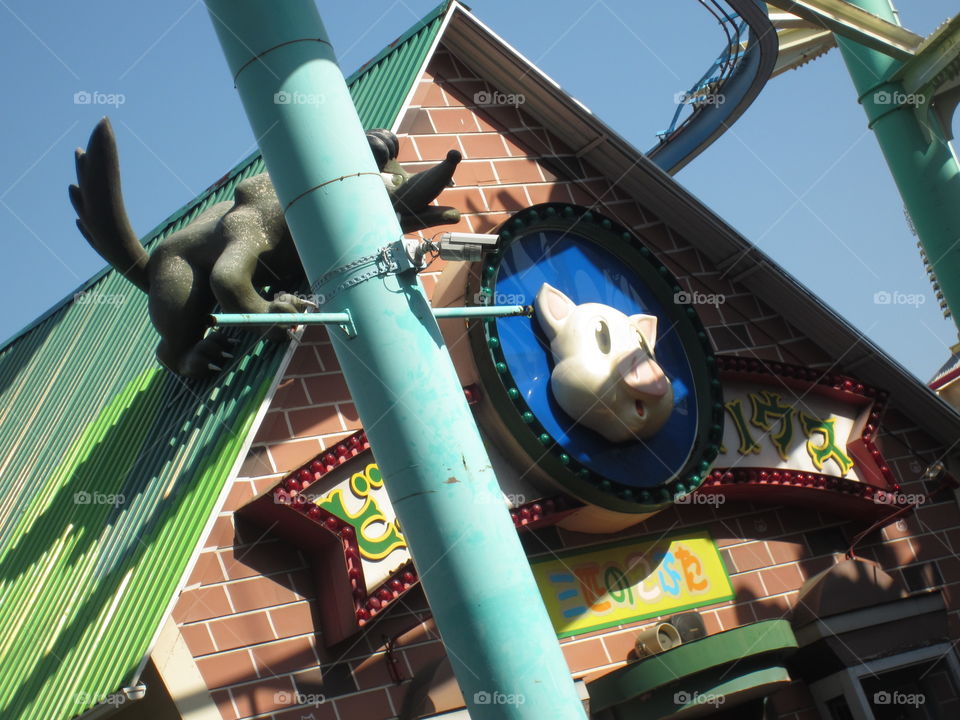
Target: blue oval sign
x,y
611,388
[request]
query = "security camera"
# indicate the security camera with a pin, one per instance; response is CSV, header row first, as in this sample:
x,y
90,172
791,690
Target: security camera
x,y
466,247
656,639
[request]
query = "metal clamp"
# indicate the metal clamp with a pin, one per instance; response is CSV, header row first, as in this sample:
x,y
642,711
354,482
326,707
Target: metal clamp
x,y
391,259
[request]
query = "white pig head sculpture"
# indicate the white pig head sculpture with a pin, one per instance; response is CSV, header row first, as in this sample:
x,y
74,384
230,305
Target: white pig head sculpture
x,y
606,376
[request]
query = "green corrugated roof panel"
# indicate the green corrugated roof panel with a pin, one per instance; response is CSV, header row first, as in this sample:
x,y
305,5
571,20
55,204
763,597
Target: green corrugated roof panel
x,y
110,466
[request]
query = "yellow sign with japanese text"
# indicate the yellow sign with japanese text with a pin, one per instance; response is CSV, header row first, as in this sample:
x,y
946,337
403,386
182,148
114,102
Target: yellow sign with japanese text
x,y
618,583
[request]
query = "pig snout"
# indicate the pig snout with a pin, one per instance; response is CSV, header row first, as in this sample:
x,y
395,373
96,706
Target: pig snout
x,y
642,374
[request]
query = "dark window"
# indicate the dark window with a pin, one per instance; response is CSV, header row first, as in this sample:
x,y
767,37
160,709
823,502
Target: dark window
x,y
839,709
924,691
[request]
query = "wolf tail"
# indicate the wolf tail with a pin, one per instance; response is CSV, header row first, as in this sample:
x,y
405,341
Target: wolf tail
x,y
101,216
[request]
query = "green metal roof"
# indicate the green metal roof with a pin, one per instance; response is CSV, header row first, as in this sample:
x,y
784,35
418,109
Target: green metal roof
x,y
110,466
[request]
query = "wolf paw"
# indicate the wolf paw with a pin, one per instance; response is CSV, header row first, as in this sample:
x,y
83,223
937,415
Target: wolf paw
x,y
210,355
287,303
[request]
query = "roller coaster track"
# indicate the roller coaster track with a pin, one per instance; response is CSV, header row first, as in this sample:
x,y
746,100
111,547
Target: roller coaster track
x,y
785,34
719,99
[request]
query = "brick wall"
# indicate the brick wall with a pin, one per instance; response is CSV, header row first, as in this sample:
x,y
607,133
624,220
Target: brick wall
x,y
248,613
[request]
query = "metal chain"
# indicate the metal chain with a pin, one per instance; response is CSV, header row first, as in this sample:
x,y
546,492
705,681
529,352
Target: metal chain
x,y
344,268
385,265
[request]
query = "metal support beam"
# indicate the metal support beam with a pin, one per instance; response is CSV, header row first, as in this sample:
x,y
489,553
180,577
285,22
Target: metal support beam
x,y
472,567
798,46
936,63
932,76
292,319
853,22
282,319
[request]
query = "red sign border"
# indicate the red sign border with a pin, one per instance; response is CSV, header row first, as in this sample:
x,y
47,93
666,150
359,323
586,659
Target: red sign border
x,y
347,608
871,500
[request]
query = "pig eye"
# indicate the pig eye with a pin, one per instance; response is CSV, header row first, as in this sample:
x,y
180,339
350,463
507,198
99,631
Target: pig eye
x,y
602,334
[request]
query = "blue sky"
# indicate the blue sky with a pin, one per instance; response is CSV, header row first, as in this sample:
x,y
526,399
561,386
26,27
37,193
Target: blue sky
x,y
799,175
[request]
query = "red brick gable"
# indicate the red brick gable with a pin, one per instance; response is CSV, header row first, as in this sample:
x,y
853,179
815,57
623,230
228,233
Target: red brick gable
x,y
248,614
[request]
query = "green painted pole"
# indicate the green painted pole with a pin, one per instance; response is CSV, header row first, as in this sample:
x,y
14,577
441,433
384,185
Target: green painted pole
x,y
474,572
922,162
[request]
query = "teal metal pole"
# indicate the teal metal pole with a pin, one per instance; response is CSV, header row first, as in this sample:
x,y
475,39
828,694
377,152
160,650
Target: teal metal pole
x,y
922,162
474,572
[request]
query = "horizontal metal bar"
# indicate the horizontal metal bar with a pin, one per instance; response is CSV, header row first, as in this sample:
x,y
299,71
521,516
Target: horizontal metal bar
x,y
291,319
483,311
281,319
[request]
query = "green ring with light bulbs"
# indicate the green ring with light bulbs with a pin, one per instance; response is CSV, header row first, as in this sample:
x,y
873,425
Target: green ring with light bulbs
x,y
573,476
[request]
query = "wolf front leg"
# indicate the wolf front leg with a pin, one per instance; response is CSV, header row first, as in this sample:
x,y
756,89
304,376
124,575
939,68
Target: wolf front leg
x,y
253,251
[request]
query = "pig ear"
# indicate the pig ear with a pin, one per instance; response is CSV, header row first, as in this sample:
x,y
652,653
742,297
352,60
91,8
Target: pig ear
x,y
647,325
553,309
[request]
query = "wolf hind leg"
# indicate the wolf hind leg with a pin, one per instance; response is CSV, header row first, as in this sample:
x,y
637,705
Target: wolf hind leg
x,y
208,355
180,307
